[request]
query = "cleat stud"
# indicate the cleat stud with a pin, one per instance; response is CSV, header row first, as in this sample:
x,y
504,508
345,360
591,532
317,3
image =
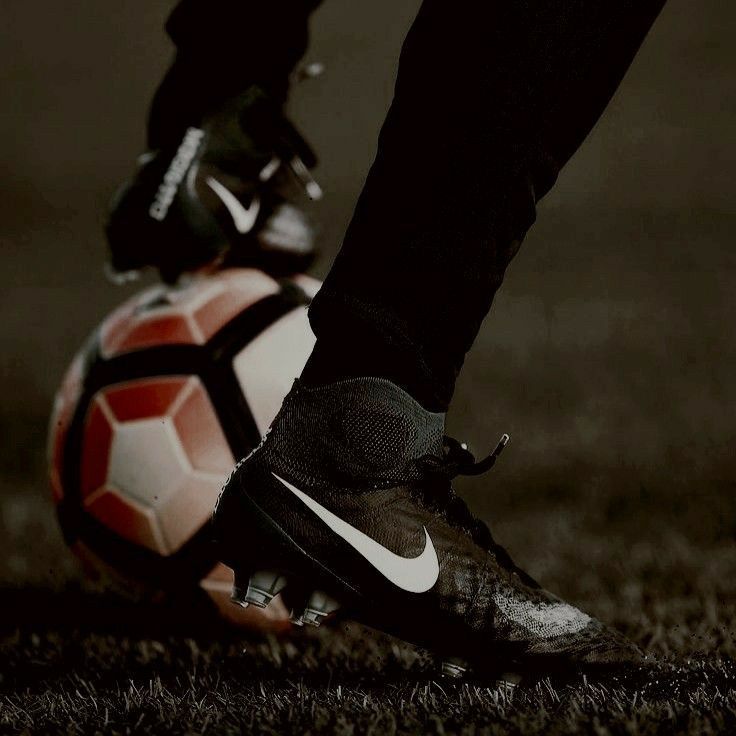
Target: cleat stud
x,y
296,619
295,598
320,606
240,588
238,597
454,668
257,598
312,618
263,586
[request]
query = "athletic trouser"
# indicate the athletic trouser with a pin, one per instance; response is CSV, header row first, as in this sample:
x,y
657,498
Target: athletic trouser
x,y
492,99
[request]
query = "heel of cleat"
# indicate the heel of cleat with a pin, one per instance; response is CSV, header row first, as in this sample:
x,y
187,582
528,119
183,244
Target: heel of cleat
x,y
320,606
261,588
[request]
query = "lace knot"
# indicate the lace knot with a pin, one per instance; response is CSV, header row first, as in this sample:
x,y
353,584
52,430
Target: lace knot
x,y
439,471
458,460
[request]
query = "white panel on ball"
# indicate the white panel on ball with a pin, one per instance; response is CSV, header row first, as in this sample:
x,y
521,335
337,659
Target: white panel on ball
x,y
146,460
271,362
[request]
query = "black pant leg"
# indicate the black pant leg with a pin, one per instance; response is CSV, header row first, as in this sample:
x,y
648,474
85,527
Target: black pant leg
x,y
492,99
223,46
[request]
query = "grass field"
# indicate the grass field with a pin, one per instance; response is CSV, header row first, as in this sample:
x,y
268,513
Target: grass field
x,y
77,662
344,683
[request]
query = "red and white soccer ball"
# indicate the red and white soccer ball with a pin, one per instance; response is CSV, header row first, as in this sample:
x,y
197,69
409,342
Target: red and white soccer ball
x,y
172,388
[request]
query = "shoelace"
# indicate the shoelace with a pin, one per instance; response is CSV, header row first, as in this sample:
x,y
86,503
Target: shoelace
x,y
438,475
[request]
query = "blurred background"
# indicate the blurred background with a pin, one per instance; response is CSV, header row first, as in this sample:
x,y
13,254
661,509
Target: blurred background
x,y
610,355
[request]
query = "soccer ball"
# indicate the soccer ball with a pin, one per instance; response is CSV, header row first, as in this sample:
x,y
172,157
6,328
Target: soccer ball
x,y
170,390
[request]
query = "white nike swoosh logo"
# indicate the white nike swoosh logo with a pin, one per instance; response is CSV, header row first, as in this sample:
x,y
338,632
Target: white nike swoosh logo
x,y
243,217
412,574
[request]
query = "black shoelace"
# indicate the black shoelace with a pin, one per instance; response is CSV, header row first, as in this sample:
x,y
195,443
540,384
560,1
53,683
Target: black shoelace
x,y
438,475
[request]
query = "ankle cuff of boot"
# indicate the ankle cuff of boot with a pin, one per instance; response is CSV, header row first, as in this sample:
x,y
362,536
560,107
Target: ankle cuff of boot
x,y
362,427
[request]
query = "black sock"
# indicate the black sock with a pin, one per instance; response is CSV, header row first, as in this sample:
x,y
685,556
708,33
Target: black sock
x,y
334,360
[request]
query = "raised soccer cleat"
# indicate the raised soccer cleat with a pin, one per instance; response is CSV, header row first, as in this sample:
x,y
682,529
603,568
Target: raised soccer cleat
x,y
225,192
350,495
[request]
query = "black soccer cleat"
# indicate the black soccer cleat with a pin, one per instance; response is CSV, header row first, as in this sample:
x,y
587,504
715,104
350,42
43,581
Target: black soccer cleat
x,y
225,192
349,496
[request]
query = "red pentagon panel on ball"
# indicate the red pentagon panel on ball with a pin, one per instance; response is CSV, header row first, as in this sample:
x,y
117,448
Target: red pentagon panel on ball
x,y
159,329
183,315
118,323
144,398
